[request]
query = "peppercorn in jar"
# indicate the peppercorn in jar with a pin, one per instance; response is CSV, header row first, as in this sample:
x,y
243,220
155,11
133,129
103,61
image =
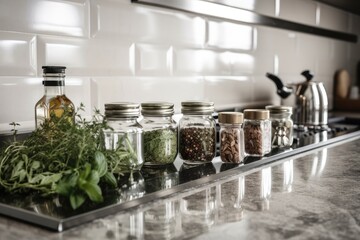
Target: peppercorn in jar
x,y
160,133
197,134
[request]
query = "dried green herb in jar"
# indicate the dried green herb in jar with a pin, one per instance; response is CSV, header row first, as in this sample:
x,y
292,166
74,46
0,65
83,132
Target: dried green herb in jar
x,y
160,133
197,144
160,146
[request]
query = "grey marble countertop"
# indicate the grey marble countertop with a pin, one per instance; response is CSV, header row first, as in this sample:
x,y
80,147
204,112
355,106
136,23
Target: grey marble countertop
x,y
313,196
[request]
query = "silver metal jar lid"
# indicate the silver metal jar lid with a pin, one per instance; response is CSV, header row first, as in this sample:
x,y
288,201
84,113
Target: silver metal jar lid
x,y
279,109
197,107
122,109
231,117
256,114
157,108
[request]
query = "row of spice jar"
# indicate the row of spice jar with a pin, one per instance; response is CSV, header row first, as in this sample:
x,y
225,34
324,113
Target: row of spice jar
x,y
157,139
254,132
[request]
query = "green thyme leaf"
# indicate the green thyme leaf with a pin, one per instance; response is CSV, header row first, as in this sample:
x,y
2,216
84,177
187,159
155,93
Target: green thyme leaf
x,y
60,157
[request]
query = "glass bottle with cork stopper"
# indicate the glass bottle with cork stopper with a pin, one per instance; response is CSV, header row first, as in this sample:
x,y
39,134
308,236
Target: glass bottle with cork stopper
x,y
54,103
257,132
197,134
231,137
125,136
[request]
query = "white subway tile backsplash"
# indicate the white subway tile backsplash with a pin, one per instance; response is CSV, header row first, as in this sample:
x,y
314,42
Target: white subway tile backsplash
x,y
265,7
93,57
115,50
201,61
78,89
278,50
333,18
106,90
142,89
230,36
303,11
69,18
174,89
263,62
104,13
153,59
17,54
18,96
264,91
275,41
155,25
236,89
336,57
241,63
322,51
339,53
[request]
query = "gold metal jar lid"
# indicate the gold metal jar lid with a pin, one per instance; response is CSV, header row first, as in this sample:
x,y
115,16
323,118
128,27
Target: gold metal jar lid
x,y
256,114
231,117
197,107
122,109
157,108
279,109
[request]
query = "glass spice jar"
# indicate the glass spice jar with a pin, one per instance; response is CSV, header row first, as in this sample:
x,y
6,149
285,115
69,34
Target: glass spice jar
x,y
257,132
160,133
282,126
197,135
231,137
125,136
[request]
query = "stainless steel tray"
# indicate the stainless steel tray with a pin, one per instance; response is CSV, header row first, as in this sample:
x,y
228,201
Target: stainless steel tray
x,y
154,183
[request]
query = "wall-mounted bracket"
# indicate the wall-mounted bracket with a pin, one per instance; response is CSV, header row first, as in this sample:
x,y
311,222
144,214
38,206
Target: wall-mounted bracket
x,y
235,14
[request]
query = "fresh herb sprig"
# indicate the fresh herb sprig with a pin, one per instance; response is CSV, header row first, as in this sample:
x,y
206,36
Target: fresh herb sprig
x,y
61,157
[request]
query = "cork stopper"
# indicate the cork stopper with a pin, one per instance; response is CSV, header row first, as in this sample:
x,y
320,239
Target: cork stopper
x,y
256,114
231,117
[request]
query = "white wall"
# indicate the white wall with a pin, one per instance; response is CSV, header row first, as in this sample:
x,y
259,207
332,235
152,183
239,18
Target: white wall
x,y
118,51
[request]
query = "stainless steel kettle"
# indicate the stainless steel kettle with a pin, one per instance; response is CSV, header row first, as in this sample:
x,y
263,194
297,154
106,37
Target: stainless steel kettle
x,y
308,99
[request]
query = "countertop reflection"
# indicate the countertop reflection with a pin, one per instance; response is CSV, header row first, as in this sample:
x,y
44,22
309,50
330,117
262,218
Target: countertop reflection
x,y
315,196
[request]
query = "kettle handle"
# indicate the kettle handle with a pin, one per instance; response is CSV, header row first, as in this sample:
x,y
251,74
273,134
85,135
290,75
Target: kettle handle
x,y
308,75
282,90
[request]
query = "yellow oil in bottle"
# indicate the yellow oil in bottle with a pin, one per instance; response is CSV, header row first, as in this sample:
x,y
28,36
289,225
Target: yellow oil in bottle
x,y
54,103
55,106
